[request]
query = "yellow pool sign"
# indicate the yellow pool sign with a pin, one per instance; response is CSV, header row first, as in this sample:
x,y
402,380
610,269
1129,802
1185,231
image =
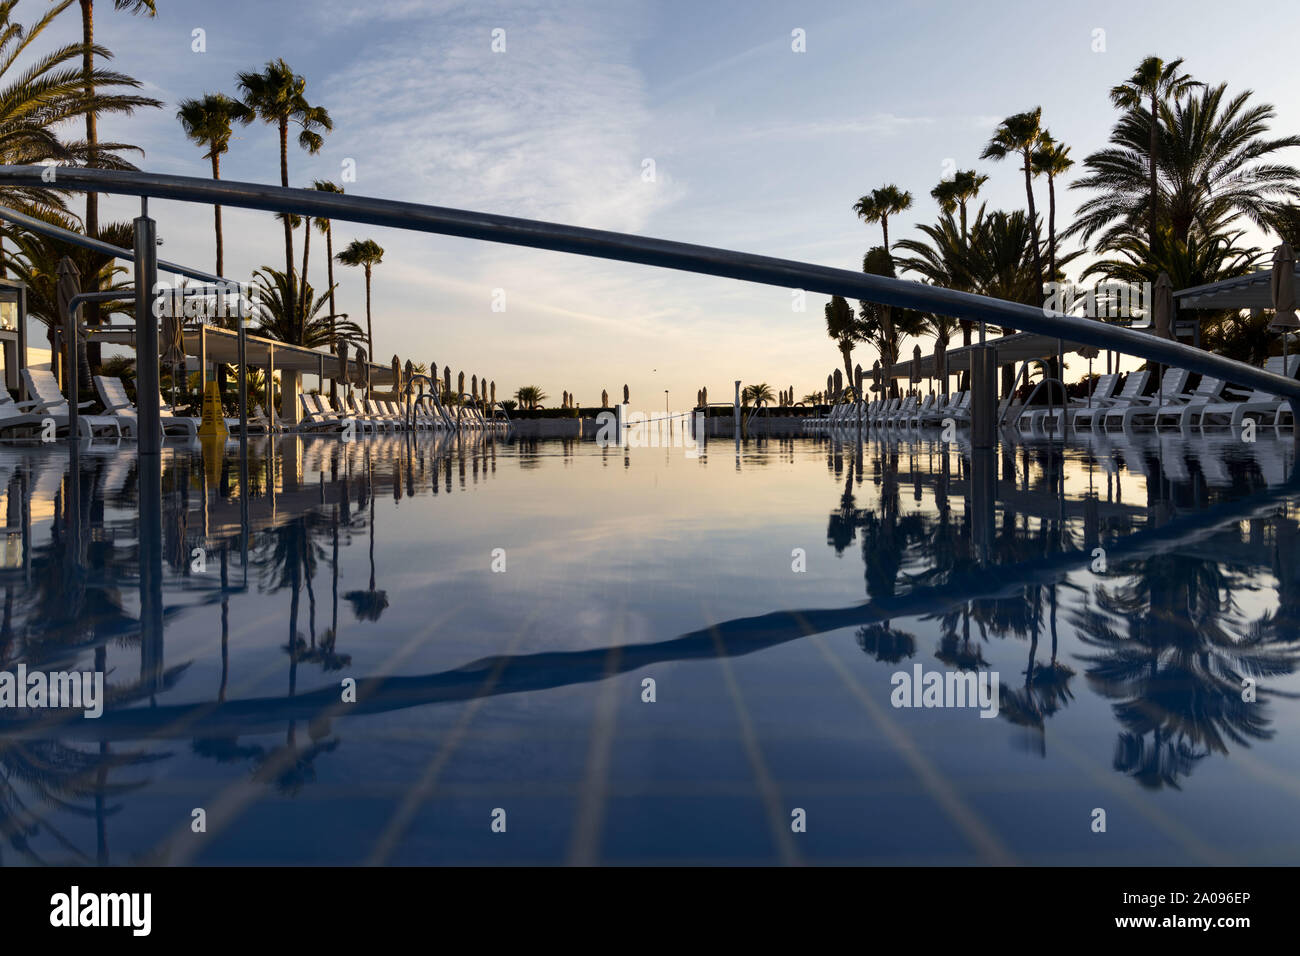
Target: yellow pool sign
x,y
214,422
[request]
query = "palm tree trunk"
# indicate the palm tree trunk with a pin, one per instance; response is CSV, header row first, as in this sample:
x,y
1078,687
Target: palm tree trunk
x,y
216,222
288,227
1155,141
1051,227
884,228
90,309
302,293
847,354
216,212
370,338
1033,228
329,269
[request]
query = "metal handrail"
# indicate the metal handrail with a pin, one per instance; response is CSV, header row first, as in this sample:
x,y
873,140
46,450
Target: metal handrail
x,y
662,253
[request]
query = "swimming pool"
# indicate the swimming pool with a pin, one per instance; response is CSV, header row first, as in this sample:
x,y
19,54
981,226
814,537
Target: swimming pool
x,y
562,652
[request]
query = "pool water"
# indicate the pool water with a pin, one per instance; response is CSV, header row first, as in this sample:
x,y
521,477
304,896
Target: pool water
x,y
434,650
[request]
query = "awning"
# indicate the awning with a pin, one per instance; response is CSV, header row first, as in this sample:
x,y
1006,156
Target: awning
x,y
222,345
1017,347
1245,292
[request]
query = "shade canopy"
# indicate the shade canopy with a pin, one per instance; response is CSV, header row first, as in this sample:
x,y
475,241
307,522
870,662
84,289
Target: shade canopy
x,y
1017,347
222,345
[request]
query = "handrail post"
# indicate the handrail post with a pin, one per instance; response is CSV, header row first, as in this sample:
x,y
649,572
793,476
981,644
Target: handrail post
x,y
148,394
983,397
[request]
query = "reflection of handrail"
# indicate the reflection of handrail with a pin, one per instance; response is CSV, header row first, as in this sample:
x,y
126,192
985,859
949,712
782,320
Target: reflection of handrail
x,y
540,671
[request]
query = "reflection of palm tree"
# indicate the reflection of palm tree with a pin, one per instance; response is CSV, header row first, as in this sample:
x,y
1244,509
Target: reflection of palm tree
x,y
885,644
370,604
1171,652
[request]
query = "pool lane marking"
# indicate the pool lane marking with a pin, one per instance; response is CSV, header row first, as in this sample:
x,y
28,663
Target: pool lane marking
x,y
768,791
584,848
940,788
241,794
1123,787
424,787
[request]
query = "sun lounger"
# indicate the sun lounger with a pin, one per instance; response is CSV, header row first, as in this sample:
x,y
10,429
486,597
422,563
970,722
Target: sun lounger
x,y
1259,404
1132,391
1146,407
49,402
1038,417
1182,410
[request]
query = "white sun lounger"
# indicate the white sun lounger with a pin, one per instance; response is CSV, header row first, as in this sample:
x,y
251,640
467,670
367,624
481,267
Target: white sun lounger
x,y
1172,383
1258,404
1183,409
49,402
1133,388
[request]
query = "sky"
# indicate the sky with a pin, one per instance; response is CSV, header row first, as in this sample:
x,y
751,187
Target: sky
x,y
755,147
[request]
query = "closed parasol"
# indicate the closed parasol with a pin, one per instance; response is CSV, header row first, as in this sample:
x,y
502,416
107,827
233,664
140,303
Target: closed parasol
x,y
1282,284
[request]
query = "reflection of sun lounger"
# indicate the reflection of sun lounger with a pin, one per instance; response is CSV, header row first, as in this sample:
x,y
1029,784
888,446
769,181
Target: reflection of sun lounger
x,y
1213,465
1173,463
1271,456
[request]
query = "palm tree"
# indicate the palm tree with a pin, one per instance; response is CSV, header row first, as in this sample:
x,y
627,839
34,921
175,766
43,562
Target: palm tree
x,y
1214,164
149,9
847,330
1051,159
758,395
882,203
323,225
945,259
954,194
1021,133
1153,82
530,396
365,253
274,291
883,325
207,122
276,97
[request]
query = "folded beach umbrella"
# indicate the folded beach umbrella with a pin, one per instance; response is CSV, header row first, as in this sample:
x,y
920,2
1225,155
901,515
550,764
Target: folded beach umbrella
x,y
1282,285
341,347
494,392
460,384
1162,308
446,378
941,364
626,398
